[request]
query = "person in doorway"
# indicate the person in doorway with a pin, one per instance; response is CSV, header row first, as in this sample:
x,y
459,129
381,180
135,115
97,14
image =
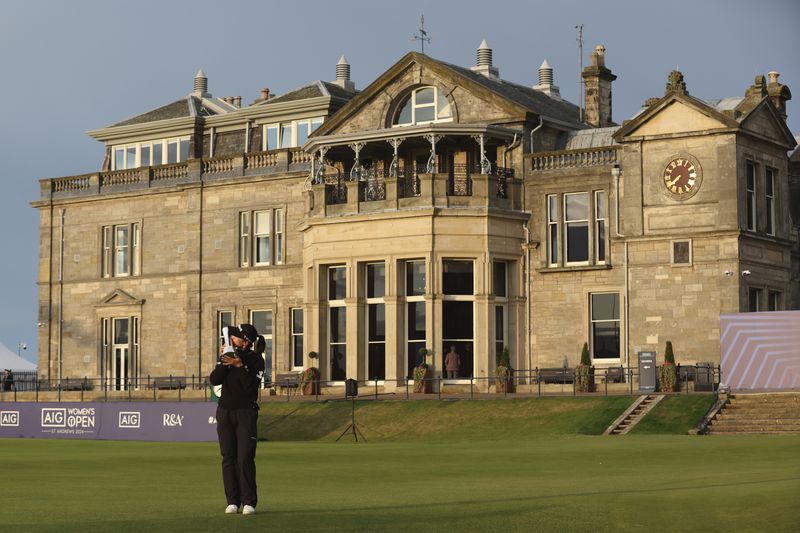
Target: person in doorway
x,y
8,380
451,363
240,375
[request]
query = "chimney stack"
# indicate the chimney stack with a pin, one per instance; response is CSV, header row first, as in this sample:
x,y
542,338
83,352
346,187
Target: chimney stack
x,y
778,93
201,85
237,101
483,64
343,75
546,82
597,86
265,93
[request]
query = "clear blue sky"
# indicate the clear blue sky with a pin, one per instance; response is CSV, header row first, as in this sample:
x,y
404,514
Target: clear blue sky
x,y
70,67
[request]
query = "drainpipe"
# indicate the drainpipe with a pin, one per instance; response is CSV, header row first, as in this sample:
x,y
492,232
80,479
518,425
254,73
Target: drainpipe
x,y
615,171
511,146
60,294
528,313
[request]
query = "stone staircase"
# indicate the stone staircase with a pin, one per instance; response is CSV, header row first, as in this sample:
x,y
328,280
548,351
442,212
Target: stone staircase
x,y
776,413
633,414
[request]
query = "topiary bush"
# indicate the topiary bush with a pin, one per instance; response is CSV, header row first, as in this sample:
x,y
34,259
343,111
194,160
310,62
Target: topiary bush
x,y
584,373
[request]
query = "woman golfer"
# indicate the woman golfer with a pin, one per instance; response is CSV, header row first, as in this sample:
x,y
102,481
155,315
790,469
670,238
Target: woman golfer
x,y
240,374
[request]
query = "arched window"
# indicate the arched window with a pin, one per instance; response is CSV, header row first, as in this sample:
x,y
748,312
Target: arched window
x,y
422,106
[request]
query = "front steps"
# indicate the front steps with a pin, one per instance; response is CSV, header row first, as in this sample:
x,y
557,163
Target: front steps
x,y
762,414
633,414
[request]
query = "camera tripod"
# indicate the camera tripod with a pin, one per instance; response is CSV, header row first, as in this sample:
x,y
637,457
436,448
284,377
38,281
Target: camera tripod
x,y
353,427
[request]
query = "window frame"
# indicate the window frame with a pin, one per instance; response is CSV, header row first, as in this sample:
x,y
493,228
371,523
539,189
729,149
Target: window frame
x,y
578,222
109,250
411,99
136,148
673,242
751,174
337,304
249,239
370,301
769,194
293,126
269,346
293,334
618,321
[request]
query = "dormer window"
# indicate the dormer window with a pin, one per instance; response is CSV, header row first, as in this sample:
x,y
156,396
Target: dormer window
x,y
423,106
150,153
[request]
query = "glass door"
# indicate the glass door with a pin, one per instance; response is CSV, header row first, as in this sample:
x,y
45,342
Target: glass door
x,y
120,364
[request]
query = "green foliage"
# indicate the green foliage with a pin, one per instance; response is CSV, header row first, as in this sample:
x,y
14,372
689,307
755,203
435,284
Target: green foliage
x,y
309,374
585,359
667,376
312,355
584,378
504,369
675,415
421,371
423,352
505,358
669,357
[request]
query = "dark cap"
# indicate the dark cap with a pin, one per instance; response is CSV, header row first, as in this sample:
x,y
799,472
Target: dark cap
x,y
247,331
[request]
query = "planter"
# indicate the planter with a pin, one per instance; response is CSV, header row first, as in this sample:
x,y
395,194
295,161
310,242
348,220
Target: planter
x,y
424,386
311,388
504,385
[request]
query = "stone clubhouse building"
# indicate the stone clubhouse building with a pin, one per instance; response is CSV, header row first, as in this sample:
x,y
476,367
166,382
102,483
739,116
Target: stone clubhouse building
x,y
439,206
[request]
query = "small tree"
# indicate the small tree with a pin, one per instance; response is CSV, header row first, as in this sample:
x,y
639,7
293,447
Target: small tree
x,y
585,359
668,373
504,373
669,357
584,376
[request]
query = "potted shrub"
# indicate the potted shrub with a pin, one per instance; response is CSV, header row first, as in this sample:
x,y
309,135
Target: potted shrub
x,y
504,373
584,372
422,374
309,381
668,373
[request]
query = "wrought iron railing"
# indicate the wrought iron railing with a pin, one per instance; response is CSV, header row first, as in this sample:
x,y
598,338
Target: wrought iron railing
x,y
335,193
459,182
373,185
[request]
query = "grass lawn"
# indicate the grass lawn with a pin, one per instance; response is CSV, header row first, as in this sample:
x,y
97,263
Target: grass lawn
x,y
539,478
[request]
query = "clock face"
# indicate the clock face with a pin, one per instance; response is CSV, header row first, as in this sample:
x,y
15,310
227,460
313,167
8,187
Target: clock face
x,y
680,176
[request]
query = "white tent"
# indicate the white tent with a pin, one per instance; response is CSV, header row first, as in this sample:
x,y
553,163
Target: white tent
x,y
12,361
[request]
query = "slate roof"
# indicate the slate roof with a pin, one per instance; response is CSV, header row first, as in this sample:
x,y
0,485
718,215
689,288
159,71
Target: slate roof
x,y
588,138
177,109
313,90
527,97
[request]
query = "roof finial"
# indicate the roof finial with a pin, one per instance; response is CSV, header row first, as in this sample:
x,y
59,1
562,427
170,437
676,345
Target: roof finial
x,y
201,84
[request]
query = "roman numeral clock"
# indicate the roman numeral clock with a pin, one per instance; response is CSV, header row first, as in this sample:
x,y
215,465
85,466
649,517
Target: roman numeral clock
x,y
682,177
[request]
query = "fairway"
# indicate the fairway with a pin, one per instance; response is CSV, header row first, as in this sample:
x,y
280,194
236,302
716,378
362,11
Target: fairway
x,y
533,483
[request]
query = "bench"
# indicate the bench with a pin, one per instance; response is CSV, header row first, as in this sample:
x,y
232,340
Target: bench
x,y
614,374
75,384
289,380
169,383
556,375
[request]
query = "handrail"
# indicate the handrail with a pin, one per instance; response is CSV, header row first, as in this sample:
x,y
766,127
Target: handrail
x,y
582,157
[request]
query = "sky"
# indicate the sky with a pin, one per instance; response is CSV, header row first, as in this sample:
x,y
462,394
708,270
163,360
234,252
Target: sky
x,y
70,67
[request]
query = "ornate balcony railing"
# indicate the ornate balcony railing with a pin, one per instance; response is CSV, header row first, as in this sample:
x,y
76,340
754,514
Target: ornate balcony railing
x,y
460,181
591,157
408,182
335,193
373,185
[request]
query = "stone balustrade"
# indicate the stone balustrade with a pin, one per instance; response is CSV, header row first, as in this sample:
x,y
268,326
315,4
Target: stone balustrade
x,y
591,157
194,170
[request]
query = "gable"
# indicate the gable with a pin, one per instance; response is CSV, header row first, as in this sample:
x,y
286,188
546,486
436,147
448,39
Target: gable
x,y
677,117
764,122
374,107
119,297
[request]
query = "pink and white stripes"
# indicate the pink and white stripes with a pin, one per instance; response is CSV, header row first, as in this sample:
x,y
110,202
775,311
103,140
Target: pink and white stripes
x,y
760,351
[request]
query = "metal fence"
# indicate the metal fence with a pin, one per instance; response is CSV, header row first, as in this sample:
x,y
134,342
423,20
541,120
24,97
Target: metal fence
x,y
700,378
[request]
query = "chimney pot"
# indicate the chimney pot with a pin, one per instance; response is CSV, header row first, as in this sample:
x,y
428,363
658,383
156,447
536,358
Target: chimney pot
x,y
265,93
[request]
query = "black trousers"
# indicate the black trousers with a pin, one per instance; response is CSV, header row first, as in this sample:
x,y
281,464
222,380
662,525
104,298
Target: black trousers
x,y
236,430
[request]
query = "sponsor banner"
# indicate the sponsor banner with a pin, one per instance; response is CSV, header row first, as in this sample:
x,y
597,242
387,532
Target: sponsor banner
x,y
759,351
153,421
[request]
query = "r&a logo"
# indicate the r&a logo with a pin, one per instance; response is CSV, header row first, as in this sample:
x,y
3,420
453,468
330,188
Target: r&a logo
x,y
173,420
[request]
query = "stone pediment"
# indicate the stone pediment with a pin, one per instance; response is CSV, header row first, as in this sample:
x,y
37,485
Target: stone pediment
x,y
118,297
472,96
675,114
764,121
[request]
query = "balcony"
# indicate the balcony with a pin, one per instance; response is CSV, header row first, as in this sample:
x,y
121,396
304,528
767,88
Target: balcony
x,y
379,190
192,171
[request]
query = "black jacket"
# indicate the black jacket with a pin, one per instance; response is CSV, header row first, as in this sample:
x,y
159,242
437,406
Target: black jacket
x,y
239,385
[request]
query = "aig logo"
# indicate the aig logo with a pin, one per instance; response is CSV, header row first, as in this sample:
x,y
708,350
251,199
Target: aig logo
x,y
172,420
129,419
54,418
9,418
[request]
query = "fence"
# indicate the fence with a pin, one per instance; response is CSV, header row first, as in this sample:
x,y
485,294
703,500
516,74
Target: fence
x,y
704,377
